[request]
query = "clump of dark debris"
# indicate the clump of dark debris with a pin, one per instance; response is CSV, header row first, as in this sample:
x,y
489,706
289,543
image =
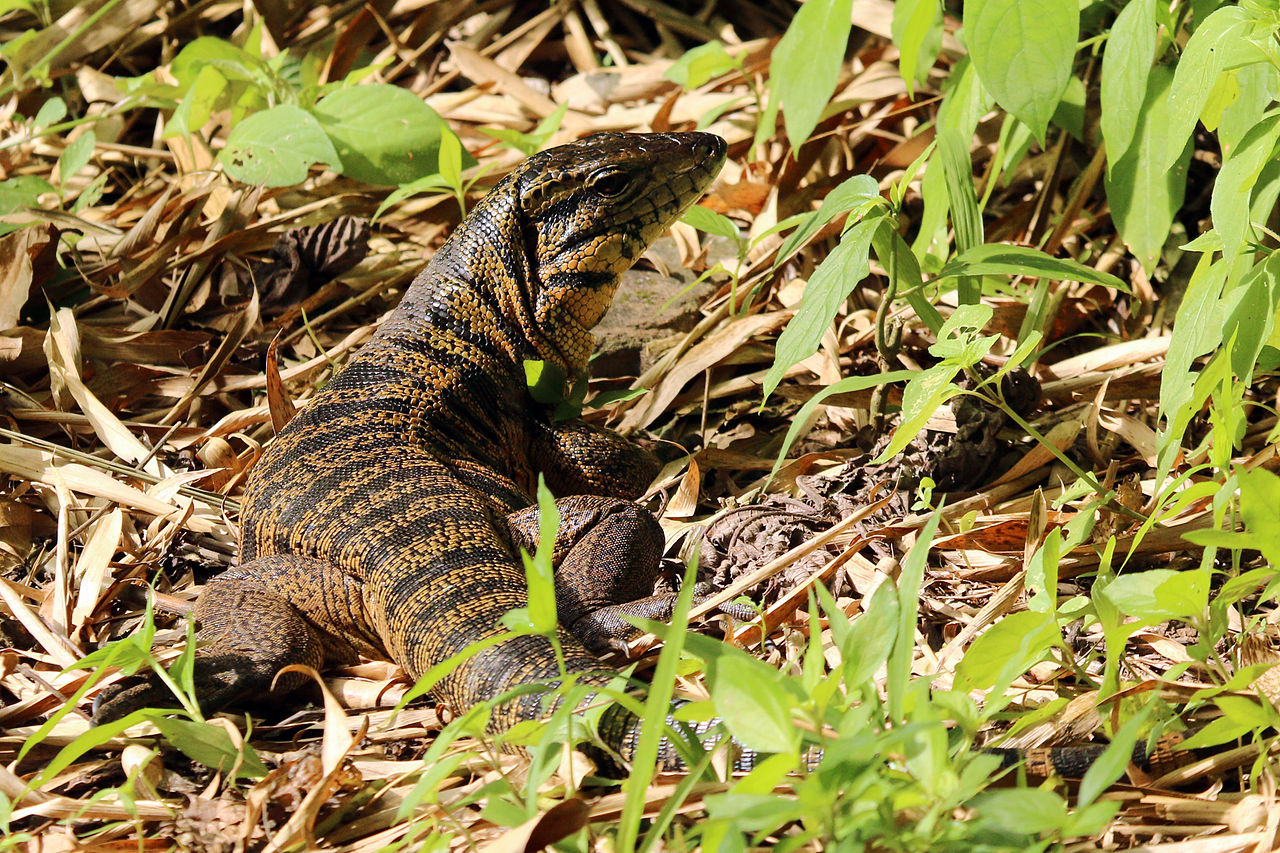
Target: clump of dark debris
x,y
742,539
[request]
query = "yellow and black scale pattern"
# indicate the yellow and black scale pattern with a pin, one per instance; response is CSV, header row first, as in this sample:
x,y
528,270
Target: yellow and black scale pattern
x,y
386,518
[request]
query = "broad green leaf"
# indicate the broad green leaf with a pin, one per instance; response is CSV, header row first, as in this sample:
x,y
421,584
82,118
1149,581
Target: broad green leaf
x,y
384,134
22,191
1255,84
707,220
76,155
917,31
198,103
1233,188
806,64
1000,259
1259,497
1009,648
1192,338
51,111
870,638
1160,594
233,62
1023,53
748,697
449,160
922,396
1203,59
855,194
828,287
210,745
1070,112
1021,811
1250,311
277,147
1131,48
700,64
1145,191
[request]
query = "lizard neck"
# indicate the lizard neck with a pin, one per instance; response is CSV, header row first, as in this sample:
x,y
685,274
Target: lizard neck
x,y
483,285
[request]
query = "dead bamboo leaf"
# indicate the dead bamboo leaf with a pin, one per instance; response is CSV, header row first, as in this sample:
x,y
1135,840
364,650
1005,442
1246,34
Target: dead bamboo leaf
x,y
278,401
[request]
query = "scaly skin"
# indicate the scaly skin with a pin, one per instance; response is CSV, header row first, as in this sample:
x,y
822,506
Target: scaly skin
x,y
386,518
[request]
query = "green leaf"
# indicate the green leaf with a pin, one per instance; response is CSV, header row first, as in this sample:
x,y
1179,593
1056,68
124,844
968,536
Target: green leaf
x,y
539,572
210,745
1234,185
1009,648
1021,811
900,263
748,697
1191,339
76,155
844,386
22,191
707,220
384,134
910,586
917,31
828,287
1144,191
1114,761
1259,497
532,142
450,160
277,147
871,636
1126,63
859,193
1254,83
547,382
199,101
927,390
806,64
957,166
409,190
1159,594
1249,310
1000,259
1023,53
51,111
1203,59
1070,112
208,52
700,64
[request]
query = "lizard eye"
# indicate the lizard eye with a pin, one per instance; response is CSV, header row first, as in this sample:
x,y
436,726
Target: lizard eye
x,y
609,183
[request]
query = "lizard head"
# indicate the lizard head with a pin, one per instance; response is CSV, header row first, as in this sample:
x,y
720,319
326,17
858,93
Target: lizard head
x,y
591,208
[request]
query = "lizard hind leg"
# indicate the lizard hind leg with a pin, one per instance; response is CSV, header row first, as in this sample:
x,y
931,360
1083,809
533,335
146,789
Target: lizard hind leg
x,y
251,622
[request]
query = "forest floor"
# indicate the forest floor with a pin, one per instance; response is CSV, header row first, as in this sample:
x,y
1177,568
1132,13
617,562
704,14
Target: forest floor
x,y
160,327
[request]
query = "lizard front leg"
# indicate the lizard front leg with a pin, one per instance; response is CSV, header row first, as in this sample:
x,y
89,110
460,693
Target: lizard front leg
x,y
606,558
251,622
